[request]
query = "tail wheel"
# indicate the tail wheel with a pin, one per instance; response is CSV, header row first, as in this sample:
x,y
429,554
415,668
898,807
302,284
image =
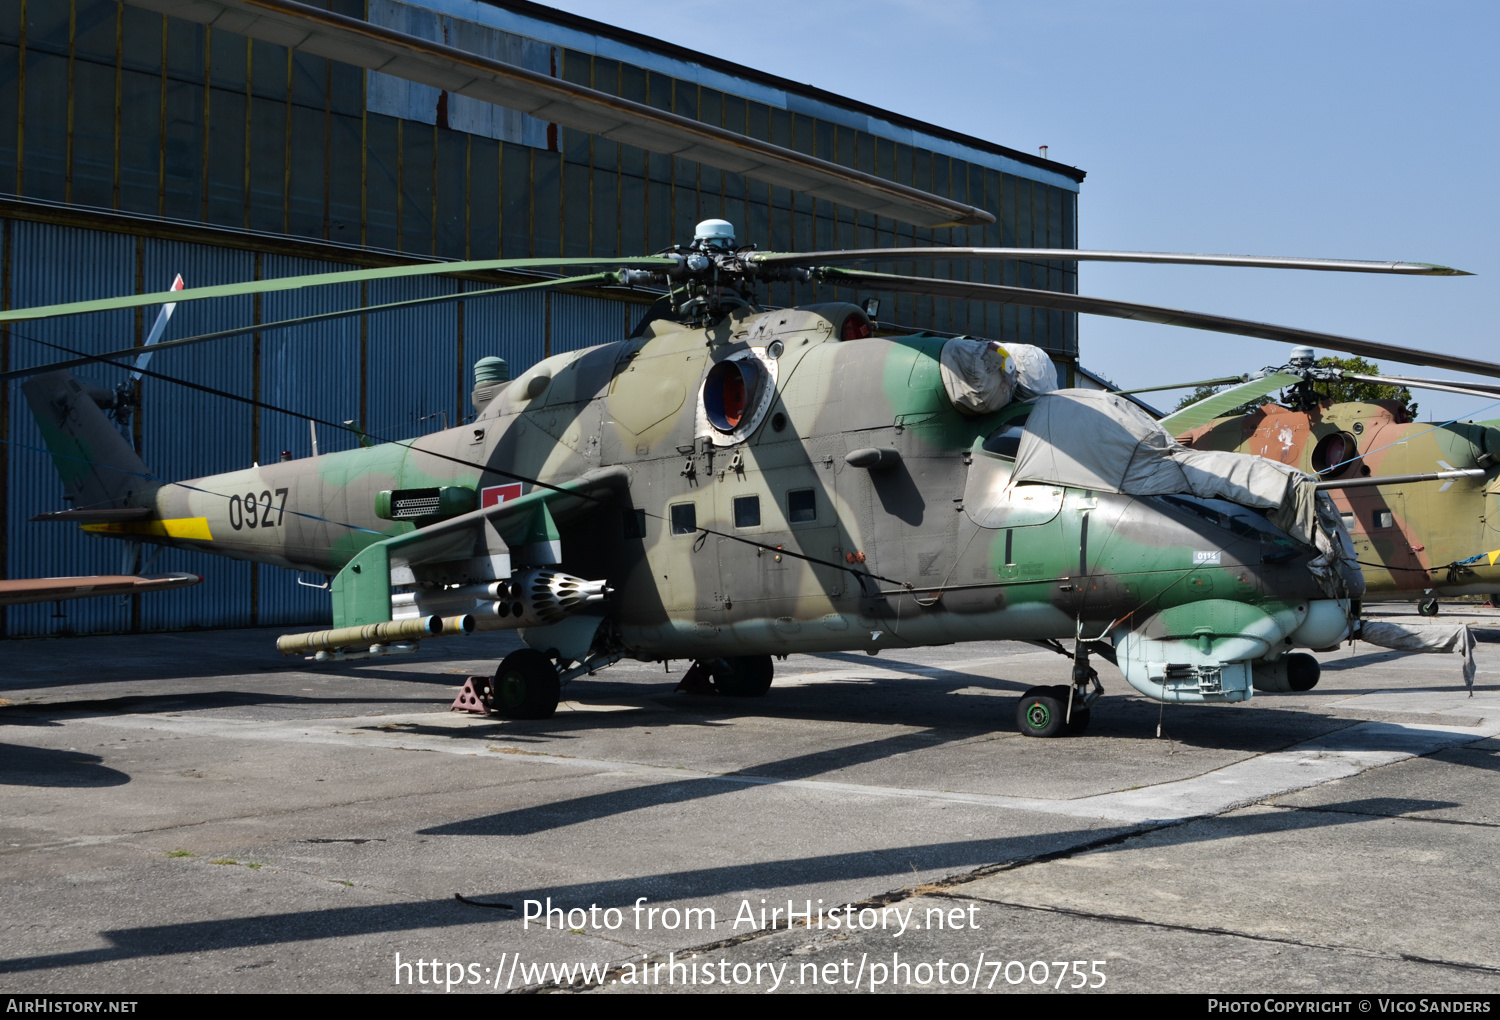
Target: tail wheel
x,y
1428,607
525,686
743,676
1042,711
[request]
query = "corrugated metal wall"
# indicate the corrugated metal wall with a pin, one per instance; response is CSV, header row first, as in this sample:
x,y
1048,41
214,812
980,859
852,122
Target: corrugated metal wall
x,y
417,373
579,321
45,267
186,434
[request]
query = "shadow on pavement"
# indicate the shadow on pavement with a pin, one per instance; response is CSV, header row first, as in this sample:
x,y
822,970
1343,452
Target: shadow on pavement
x,y
44,766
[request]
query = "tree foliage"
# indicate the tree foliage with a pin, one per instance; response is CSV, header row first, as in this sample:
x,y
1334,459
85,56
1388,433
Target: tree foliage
x,y
1350,391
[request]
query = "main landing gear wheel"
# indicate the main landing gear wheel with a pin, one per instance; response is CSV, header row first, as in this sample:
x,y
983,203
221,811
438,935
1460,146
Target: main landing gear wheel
x,y
1428,607
1043,712
525,686
742,676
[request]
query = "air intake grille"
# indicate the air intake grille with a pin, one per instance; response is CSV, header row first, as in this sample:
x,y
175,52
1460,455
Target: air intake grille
x,y
410,503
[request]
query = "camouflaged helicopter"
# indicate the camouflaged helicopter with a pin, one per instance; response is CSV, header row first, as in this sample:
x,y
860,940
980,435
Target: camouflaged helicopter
x,y
734,483
1419,499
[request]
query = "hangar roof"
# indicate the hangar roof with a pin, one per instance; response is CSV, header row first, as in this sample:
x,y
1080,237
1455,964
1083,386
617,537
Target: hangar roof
x,y
560,28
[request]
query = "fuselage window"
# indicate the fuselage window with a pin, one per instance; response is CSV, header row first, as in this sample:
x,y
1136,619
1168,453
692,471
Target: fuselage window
x,y
684,518
1384,519
747,511
801,506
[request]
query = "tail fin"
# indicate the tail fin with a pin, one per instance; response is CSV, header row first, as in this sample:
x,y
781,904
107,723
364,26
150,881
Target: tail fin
x,y
97,465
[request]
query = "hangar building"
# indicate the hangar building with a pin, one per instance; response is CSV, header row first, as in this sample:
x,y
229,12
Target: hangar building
x,y
136,145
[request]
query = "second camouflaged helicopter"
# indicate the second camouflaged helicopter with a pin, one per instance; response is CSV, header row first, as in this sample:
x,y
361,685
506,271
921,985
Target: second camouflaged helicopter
x,y
734,483
1419,499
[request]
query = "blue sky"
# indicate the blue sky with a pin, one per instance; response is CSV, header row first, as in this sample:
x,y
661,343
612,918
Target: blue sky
x,y
1356,130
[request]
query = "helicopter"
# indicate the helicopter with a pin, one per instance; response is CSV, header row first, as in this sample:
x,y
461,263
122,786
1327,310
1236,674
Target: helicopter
x,y
1419,499
733,483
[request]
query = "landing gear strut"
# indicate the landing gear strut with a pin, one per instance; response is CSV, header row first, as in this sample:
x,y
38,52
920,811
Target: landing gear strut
x,y
1063,708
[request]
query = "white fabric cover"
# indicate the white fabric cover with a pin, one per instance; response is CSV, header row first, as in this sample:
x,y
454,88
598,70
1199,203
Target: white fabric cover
x,y
982,376
975,376
1036,373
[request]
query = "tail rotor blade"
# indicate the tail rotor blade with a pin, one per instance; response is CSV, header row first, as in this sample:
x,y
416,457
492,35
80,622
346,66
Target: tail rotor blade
x,y
157,329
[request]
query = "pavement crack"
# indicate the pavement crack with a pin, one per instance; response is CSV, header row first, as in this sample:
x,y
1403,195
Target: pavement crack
x,y
489,906
1317,809
935,887
1129,919
1449,963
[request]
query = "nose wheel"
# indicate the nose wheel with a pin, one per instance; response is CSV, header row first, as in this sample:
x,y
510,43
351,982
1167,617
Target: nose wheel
x,y
1062,709
1043,712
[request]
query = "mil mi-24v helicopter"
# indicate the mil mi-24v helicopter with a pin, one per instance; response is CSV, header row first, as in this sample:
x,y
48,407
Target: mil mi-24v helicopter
x,y
1419,499
733,483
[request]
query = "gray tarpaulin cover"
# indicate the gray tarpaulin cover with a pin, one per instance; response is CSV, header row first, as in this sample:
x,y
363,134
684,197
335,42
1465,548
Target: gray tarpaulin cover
x,y
1424,637
1090,439
981,376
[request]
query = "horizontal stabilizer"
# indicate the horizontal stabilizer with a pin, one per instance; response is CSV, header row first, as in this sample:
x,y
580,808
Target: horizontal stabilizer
x,y
59,589
103,515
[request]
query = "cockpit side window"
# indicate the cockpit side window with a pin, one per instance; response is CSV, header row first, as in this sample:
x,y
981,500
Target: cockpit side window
x,y
1006,440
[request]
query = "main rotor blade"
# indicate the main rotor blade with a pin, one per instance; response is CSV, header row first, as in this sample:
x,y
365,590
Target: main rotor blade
x,y
1445,385
362,44
315,280
828,258
1064,302
343,313
1211,407
1223,381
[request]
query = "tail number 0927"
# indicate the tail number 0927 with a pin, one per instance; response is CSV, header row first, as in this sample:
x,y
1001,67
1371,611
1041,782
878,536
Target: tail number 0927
x,y
252,511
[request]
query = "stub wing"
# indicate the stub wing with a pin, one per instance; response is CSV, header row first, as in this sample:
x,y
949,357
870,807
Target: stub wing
x,y
21,591
484,540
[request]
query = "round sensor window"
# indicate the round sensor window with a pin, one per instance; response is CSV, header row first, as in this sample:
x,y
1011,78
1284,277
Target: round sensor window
x,y
729,392
1335,454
